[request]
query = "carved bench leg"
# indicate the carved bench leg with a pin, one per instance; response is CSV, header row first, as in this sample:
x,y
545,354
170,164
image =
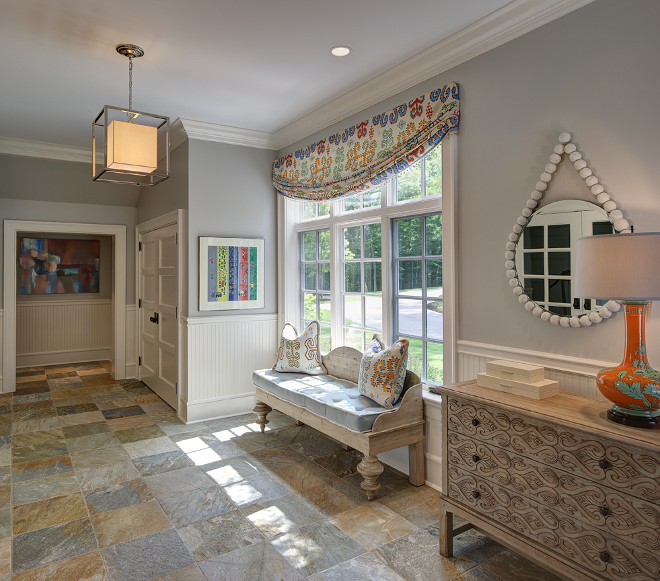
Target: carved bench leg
x,y
262,410
416,463
371,469
446,532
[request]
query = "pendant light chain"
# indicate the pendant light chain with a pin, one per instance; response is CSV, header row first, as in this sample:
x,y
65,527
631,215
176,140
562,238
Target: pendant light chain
x,y
130,82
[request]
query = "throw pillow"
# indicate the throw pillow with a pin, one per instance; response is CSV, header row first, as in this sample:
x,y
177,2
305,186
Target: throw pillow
x,y
300,353
383,371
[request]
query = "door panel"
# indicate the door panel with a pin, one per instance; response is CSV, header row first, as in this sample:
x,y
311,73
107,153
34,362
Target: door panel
x,y
159,313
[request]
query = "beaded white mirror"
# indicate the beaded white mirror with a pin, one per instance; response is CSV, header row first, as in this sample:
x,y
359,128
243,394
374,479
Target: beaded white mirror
x,y
540,252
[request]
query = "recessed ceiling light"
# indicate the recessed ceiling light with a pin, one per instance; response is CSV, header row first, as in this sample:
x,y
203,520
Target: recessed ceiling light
x,y
340,50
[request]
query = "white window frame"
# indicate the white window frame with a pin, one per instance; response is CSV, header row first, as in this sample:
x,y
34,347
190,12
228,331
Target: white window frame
x,y
289,229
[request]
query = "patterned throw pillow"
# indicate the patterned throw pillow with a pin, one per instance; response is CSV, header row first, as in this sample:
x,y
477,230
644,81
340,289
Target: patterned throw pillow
x,y
383,371
300,353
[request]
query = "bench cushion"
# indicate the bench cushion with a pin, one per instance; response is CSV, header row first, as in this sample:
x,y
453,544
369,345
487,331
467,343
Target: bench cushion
x,y
336,399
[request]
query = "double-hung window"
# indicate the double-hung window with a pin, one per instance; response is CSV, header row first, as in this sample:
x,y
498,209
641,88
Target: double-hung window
x,y
373,263
362,294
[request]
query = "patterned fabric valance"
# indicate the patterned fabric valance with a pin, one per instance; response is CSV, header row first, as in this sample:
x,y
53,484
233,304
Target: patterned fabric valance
x,y
371,152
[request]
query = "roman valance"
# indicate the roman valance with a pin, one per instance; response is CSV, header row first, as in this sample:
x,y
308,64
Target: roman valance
x,y
368,153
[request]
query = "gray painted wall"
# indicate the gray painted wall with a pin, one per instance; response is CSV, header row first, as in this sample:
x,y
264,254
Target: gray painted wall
x,y
172,194
231,195
29,178
105,268
594,73
84,213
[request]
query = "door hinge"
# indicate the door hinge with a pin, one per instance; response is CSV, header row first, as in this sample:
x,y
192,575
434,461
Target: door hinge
x,y
176,312
139,246
176,238
140,361
139,303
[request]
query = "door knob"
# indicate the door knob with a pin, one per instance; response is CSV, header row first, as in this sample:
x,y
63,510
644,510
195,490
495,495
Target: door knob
x,y
154,319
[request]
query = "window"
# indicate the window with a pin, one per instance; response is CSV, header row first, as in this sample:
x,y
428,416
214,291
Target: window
x,y
369,199
362,294
422,179
315,287
418,292
373,263
311,210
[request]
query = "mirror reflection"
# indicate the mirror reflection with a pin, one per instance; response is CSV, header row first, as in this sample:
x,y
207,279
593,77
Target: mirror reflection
x,y
545,254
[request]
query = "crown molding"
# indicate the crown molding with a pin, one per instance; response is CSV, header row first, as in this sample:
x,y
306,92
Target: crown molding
x,y
25,148
515,19
203,131
497,28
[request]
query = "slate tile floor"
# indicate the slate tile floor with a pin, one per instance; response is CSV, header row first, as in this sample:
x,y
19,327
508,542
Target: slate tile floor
x,y
99,480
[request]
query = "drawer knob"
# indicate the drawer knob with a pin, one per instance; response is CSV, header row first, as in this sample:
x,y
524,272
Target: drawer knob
x,y
475,458
475,422
604,464
475,494
604,510
604,557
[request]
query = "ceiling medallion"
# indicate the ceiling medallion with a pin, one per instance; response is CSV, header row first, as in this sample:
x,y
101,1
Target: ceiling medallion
x,y
135,144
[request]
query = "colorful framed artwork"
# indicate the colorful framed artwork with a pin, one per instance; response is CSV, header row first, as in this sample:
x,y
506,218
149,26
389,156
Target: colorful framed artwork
x,y
53,266
231,273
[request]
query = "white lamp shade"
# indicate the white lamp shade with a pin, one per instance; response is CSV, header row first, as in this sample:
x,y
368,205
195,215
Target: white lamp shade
x,y
618,266
132,147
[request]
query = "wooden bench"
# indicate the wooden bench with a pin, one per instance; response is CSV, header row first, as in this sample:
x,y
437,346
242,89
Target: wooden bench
x,y
402,426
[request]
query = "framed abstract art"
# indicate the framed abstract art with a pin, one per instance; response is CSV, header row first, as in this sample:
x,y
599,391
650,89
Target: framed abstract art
x,y
231,273
55,266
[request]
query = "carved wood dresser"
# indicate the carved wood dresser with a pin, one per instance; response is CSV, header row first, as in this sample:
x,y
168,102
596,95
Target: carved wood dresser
x,y
553,480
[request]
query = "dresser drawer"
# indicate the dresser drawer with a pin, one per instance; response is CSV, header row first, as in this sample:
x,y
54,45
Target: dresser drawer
x,y
632,519
627,468
597,552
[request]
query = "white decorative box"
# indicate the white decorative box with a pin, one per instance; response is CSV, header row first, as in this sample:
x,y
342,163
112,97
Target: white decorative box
x,y
515,371
518,379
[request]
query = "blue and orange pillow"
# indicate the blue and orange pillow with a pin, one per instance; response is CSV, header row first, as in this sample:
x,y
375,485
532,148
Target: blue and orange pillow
x,y
383,371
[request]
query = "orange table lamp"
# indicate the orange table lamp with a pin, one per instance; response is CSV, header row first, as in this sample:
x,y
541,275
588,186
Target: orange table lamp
x,y
625,267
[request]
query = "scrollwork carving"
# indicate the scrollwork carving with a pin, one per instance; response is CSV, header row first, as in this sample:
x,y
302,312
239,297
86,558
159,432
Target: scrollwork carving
x,y
559,533
636,520
635,471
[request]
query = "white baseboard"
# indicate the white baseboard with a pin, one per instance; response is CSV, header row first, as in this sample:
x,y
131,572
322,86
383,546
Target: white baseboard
x,y
57,357
131,371
216,408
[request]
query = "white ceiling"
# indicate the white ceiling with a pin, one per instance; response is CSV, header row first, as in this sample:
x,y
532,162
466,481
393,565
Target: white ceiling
x,y
253,64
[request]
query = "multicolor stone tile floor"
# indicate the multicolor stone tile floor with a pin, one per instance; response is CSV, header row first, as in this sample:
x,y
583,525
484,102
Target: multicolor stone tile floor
x,y
99,480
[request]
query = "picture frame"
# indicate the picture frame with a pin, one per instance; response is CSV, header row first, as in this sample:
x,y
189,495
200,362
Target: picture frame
x,y
231,273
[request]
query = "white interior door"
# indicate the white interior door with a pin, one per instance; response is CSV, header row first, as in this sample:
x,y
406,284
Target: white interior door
x,y
159,272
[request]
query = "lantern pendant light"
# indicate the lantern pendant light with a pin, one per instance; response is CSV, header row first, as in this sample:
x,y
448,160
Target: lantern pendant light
x,y
135,144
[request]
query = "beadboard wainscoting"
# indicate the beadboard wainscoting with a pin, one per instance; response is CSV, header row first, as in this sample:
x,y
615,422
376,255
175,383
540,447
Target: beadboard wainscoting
x,y
572,373
52,331
223,351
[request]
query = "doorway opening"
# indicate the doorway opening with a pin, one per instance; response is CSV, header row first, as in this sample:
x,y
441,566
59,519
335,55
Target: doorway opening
x,y
117,235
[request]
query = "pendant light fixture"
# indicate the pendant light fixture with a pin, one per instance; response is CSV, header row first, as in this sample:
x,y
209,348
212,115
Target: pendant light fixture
x,y
135,144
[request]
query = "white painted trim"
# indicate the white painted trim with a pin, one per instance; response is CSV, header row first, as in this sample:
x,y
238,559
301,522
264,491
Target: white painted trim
x,y
449,257
55,302
564,363
26,148
205,410
177,217
222,319
205,131
64,356
11,229
512,20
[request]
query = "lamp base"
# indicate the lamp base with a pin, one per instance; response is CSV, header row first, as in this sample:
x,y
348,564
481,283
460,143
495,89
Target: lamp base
x,y
634,421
